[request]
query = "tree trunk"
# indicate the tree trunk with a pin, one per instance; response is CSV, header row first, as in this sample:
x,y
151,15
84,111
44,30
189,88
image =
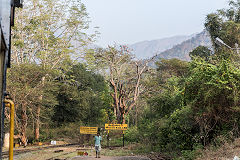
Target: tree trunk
x,y
118,118
24,139
37,123
136,116
123,118
24,125
114,110
123,112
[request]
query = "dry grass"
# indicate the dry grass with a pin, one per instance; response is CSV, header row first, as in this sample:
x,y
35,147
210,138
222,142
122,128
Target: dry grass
x,y
70,152
226,152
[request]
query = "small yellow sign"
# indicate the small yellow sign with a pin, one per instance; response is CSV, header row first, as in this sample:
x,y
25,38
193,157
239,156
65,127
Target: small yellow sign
x,y
116,127
88,130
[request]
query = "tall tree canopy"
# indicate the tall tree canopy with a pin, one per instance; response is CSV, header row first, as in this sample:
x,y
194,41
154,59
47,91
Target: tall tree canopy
x,y
225,24
47,33
124,75
81,98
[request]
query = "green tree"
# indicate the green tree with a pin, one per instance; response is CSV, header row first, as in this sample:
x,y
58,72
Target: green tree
x,y
25,90
82,98
202,52
225,24
167,68
213,93
44,34
192,103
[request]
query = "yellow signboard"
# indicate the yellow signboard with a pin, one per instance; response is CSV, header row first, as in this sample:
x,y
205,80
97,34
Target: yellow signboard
x,y
88,130
116,126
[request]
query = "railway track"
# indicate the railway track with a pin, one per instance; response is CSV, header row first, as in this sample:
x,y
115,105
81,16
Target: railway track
x,y
22,151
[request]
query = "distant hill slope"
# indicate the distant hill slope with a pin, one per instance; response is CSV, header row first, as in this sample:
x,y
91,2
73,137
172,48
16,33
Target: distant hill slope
x,y
181,51
147,49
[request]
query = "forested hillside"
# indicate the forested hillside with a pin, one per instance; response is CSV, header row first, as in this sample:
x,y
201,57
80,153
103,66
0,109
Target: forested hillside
x,y
175,110
181,51
147,49
173,47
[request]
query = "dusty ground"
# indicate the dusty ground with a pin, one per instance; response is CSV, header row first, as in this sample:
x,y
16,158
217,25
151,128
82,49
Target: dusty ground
x,y
226,152
71,153
111,158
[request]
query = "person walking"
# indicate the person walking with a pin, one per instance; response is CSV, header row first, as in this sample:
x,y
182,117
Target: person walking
x,y
98,139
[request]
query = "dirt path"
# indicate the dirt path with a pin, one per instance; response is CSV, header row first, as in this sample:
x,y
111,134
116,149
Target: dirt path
x,y
111,158
69,152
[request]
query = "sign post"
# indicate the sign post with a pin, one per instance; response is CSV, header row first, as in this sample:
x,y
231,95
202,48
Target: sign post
x,y
116,126
121,127
123,138
88,130
108,139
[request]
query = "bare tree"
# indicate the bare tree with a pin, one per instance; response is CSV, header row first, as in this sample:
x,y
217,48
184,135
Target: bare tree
x,y
124,75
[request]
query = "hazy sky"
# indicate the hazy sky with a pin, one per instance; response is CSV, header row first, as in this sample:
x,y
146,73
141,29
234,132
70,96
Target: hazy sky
x,y
130,21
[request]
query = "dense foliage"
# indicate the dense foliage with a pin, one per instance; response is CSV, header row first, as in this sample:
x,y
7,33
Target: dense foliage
x,y
176,108
81,99
195,109
198,103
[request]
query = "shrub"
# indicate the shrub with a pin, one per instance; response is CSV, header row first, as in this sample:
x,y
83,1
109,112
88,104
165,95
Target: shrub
x,y
132,134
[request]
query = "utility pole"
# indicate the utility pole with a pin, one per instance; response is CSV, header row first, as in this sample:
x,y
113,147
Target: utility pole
x,y
220,42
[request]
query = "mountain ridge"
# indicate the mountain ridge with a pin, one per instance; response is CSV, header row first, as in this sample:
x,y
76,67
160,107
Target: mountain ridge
x,y
181,51
148,48
171,47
